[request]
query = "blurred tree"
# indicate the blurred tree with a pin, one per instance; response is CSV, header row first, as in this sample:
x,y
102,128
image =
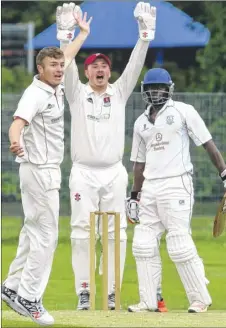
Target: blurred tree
x,y
15,79
42,13
208,73
212,58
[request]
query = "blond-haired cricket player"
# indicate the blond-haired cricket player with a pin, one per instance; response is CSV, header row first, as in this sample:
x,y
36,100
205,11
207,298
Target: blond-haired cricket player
x,y
98,179
37,138
163,171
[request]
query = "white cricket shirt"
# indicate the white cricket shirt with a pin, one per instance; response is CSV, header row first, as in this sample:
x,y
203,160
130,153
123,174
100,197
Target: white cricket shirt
x,y
98,121
43,138
164,145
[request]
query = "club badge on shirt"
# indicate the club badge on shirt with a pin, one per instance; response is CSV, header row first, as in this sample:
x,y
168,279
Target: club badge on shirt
x,y
107,102
170,119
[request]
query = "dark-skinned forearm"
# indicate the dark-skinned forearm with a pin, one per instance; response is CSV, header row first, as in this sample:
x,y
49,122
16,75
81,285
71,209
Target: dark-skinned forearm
x,y
138,178
215,156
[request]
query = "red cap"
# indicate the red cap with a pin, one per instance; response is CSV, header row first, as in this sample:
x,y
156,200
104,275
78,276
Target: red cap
x,y
93,57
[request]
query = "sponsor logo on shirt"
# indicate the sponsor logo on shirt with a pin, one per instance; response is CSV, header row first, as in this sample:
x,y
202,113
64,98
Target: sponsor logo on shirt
x,y
181,202
55,120
158,137
98,118
159,144
90,100
145,127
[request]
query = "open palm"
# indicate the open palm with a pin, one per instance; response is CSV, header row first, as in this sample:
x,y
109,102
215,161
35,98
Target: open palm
x,y
82,22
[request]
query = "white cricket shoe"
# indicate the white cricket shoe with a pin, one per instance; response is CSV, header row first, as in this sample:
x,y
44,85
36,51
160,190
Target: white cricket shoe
x,y
35,310
111,301
141,307
83,303
198,307
9,296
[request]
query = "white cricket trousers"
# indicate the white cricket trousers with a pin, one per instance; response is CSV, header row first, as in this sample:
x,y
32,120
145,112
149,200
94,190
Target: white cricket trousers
x,y
167,204
30,270
96,189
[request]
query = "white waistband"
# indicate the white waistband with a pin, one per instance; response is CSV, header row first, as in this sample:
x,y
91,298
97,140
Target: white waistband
x,y
42,166
97,168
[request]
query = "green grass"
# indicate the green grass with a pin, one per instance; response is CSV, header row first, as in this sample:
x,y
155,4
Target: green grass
x,y
61,301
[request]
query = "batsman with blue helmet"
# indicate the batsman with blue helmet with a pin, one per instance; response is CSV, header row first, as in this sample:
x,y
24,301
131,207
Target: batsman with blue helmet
x,y
163,179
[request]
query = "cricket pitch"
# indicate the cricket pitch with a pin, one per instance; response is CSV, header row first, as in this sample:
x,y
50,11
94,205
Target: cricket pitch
x,y
122,319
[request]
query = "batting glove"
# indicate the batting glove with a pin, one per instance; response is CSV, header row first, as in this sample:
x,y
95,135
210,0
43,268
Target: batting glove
x,y
146,17
132,208
223,177
66,22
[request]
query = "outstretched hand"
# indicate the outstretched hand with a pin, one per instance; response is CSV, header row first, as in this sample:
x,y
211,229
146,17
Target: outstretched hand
x,y
82,22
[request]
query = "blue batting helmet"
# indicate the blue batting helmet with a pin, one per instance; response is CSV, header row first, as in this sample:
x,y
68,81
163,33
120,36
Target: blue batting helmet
x,y
157,75
151,87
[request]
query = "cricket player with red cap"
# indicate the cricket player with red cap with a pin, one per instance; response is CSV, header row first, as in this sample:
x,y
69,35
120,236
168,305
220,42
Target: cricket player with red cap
x,y
98,179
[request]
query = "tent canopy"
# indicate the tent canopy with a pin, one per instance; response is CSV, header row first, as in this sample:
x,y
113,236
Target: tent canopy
x,y
114,26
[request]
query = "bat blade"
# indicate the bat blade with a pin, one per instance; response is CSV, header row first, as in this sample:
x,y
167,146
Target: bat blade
x,y
220,219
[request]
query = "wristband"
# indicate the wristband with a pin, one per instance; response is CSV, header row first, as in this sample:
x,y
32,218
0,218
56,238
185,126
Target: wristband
x,y
134,195
147,35
65,35
64,43
223,175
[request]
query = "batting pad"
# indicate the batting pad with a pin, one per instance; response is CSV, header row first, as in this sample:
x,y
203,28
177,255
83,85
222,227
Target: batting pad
x,y
148,262
183,253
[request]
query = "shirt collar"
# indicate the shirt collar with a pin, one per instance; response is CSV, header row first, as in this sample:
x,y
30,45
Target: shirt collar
x,y
169,103
46,87
109,91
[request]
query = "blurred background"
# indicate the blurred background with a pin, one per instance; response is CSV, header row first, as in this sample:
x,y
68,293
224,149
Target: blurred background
x,y
190,44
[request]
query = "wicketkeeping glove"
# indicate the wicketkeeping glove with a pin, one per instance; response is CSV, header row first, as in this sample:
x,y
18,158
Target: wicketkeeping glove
x,y
146,17
132,208
66,22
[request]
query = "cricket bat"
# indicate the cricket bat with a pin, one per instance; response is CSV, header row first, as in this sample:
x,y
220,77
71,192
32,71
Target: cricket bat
x,y
220,219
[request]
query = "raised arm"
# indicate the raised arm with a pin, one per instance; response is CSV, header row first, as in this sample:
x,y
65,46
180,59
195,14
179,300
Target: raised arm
x,y
146,17
68,17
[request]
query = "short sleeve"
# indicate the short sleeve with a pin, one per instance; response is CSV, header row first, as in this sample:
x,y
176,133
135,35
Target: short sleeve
x,y
138,152
28,106
197,129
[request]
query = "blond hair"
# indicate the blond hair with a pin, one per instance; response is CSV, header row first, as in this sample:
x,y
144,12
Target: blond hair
x,y
52,52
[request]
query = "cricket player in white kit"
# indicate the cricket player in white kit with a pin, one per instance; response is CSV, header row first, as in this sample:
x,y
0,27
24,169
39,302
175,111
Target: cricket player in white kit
x,y
160,151
37,138
98,179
